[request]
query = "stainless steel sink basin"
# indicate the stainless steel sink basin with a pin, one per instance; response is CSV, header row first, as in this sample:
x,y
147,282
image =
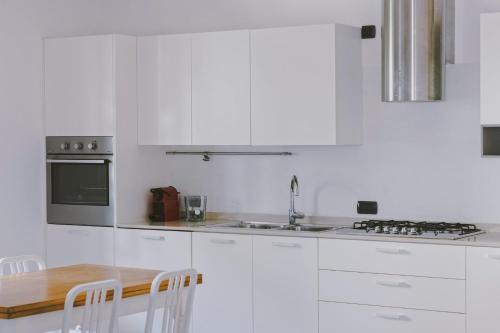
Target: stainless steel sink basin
x,y
253,225
275,226
311,228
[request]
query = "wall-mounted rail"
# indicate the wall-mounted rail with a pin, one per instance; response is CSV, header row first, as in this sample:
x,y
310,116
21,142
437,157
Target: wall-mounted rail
x,y
206,154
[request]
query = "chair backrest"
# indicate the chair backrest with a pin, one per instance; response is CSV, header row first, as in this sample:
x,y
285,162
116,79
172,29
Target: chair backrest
x,y
94,317
21,264
176,301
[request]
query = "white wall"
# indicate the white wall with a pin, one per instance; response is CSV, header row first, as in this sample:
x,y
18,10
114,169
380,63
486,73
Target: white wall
x,y
23,23
424,153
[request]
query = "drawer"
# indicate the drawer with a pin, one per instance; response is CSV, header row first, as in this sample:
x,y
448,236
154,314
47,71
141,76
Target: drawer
x,y
153,249
350,318
392,258
393,290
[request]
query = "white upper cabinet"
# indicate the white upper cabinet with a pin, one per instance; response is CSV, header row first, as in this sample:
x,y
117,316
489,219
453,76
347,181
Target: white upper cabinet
x,y
164,90
79,86
221,88
306,85
490,69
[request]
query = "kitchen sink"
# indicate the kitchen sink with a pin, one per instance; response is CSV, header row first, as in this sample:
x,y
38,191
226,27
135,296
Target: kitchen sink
x,y
299,227
275,226
252,225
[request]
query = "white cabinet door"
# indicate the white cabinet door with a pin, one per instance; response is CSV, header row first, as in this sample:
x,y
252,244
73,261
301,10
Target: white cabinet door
x,y
79,86
285,284
72,245
221,88
483,289
299,75
153,249
224,300
164,90
490,69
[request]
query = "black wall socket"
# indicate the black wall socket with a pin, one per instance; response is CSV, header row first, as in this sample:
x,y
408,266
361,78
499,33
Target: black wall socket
x,y
368,207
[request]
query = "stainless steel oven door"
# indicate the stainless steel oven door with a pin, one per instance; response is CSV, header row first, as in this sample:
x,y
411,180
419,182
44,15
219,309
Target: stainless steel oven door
x,y
80,190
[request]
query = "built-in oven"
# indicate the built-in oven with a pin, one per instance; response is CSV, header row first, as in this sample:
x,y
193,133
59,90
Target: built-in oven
x,y
80,180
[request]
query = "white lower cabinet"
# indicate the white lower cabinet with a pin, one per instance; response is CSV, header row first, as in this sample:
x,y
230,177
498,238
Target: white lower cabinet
x,y
483,289
353,318
285,274
150,249
153,249
223,303
72,245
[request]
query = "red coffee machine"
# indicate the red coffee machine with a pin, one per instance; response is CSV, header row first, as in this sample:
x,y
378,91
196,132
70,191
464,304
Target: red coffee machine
x,y
165,204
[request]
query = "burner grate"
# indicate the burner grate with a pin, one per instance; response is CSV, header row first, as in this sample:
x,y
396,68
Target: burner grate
x,y
417,227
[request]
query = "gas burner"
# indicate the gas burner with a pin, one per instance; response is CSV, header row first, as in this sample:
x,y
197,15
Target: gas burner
x,y
412,229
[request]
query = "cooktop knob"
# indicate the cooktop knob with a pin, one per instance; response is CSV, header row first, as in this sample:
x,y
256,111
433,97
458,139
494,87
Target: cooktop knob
x,y
65,146
404,231
78,146
387,230
414,231
92,146
378,229
395,230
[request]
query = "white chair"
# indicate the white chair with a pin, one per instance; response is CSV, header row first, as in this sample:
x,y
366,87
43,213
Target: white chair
x,y
93,319
177,303
21,264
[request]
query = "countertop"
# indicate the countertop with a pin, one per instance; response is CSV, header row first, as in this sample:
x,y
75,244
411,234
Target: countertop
x,y
215,223
28,294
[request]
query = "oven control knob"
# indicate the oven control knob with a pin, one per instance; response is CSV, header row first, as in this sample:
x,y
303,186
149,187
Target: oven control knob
x,y
92,146
78,146
65,146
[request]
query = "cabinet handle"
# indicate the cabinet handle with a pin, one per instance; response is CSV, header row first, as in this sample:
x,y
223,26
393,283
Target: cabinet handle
x,y
284,244
494,256
392,316
223,241
154,238
78,232
397,284
391,251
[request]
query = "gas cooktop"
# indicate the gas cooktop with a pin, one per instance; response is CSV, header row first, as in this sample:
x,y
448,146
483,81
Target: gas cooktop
x,y
436,230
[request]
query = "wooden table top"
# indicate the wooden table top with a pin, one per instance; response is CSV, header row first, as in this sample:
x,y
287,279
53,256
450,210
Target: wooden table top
x,y
45,291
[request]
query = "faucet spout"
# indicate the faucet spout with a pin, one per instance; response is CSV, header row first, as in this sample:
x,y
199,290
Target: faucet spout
x,y
293,215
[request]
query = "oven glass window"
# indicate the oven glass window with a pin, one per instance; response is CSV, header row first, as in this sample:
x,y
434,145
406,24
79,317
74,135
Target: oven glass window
x,y
80,184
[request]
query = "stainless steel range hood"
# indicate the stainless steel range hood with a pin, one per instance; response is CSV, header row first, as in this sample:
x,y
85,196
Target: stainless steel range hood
x,y
417,41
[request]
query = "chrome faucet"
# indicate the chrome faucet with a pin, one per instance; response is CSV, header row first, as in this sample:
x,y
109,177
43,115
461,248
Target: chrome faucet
x,y
293,215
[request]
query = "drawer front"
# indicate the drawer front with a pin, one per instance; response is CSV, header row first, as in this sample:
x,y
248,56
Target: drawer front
x,y
343,318
152,249
392,258
393,290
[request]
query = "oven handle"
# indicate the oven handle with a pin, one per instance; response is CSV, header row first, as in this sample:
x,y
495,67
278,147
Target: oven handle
x,y
79,161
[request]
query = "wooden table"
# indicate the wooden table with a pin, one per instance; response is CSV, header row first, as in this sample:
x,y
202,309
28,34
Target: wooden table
x,y
33,302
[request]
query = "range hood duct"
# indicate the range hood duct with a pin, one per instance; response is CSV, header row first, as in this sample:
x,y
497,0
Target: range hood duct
x,y
417,42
